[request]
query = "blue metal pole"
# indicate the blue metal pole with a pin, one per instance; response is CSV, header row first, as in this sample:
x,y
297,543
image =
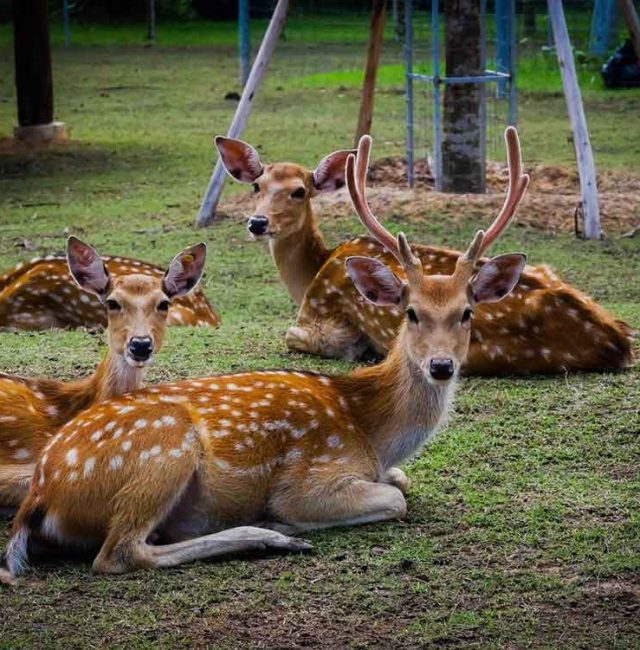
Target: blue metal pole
x,y
437,127
408,64
503,41
602,26
65,23
513,90
244,41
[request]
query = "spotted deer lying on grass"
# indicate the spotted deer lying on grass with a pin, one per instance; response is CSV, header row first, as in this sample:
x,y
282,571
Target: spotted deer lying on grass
x,y
41,294
154,478
544,326
32,410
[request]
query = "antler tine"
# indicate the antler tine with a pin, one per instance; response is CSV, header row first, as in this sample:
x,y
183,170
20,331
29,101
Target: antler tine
x,y
356,172
518,183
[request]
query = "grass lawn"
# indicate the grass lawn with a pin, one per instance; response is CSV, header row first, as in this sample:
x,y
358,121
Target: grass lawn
x,y
524,517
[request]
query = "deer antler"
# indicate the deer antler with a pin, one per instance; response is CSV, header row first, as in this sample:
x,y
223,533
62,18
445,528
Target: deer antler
x,y
518,183
356,173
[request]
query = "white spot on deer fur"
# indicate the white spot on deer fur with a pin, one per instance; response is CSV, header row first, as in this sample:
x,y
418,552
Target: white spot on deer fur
x,y
144,456
125,409
89,464
140,424
175,453
126,445
330,412
116,462
168,420
222,464
323,459
109,426
72,476
72,457
96,435
324,380
8,418
333,441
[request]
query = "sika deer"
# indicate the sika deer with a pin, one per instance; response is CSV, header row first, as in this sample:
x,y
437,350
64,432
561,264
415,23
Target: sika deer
x,y
295,451
544,326
31,410
41,294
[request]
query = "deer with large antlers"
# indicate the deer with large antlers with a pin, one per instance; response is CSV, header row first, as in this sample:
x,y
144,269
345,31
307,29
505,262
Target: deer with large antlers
x,y
544,326
154,478
137,306
41,294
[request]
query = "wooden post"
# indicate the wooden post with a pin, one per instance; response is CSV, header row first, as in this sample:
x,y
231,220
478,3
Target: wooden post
x,y
584,154
374,47
34,80
151,28
463,142
214,189
631,19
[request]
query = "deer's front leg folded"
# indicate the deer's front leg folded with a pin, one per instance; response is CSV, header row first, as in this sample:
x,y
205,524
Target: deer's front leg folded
x,y
396,476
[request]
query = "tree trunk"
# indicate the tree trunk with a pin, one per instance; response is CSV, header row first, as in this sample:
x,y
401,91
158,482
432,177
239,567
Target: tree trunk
x,y
34,83
463,145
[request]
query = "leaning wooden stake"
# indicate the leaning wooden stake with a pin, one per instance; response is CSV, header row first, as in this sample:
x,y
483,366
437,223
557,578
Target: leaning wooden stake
x,y
214,189
631,19
374,47
584,154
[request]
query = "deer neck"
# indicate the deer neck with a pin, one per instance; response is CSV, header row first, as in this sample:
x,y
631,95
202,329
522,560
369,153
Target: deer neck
x,y
396,406
113,377
300,256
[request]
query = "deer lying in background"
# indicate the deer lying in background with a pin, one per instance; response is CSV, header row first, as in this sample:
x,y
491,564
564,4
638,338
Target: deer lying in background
x,y
180,463
32,410
544,326
41,294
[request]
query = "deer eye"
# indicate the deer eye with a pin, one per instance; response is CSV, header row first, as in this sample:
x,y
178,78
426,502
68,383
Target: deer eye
x,y
113,305
298,194
411,315
256,188
163,305
467,314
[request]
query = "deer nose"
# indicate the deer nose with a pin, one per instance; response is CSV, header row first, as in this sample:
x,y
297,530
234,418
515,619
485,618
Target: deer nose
x,y
258,225
140,347
441,368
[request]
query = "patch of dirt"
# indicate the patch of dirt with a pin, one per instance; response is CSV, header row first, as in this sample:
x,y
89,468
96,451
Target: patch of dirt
x,y
550,204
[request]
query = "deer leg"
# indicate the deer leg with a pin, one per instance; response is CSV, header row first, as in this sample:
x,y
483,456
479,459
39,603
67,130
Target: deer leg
x,y
356,502
326,338
395,476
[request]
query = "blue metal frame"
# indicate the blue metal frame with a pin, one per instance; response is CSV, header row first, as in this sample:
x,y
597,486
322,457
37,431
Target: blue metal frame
x,y
505,78
603,27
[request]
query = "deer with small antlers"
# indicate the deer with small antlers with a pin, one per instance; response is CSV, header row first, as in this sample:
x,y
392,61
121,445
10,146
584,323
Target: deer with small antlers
x,y
137,306
544,326
156,478
41,294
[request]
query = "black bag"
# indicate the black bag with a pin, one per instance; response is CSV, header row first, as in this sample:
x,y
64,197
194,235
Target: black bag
x,y
622,70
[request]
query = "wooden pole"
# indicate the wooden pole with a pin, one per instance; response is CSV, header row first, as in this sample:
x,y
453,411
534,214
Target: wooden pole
x,y
151,27
374,48
34,80
214,189
631,18
584,154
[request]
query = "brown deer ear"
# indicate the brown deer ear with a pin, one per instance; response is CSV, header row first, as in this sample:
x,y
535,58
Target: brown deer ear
x,y
376,281
329,174
87,268
240,159
185,271
497,278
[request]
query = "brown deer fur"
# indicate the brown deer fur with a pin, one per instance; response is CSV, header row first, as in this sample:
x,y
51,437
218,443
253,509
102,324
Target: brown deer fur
x,y
32,410
544,326
154,478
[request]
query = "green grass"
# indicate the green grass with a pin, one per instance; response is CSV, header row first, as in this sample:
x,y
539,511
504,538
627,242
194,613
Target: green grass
x,y
523,526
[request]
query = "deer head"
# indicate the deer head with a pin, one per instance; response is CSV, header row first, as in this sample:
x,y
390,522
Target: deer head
x,y
283,191
439,308
137,305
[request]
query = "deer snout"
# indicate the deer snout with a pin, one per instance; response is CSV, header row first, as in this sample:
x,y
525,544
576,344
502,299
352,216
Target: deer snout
x,y
441,369
258,225
140,348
